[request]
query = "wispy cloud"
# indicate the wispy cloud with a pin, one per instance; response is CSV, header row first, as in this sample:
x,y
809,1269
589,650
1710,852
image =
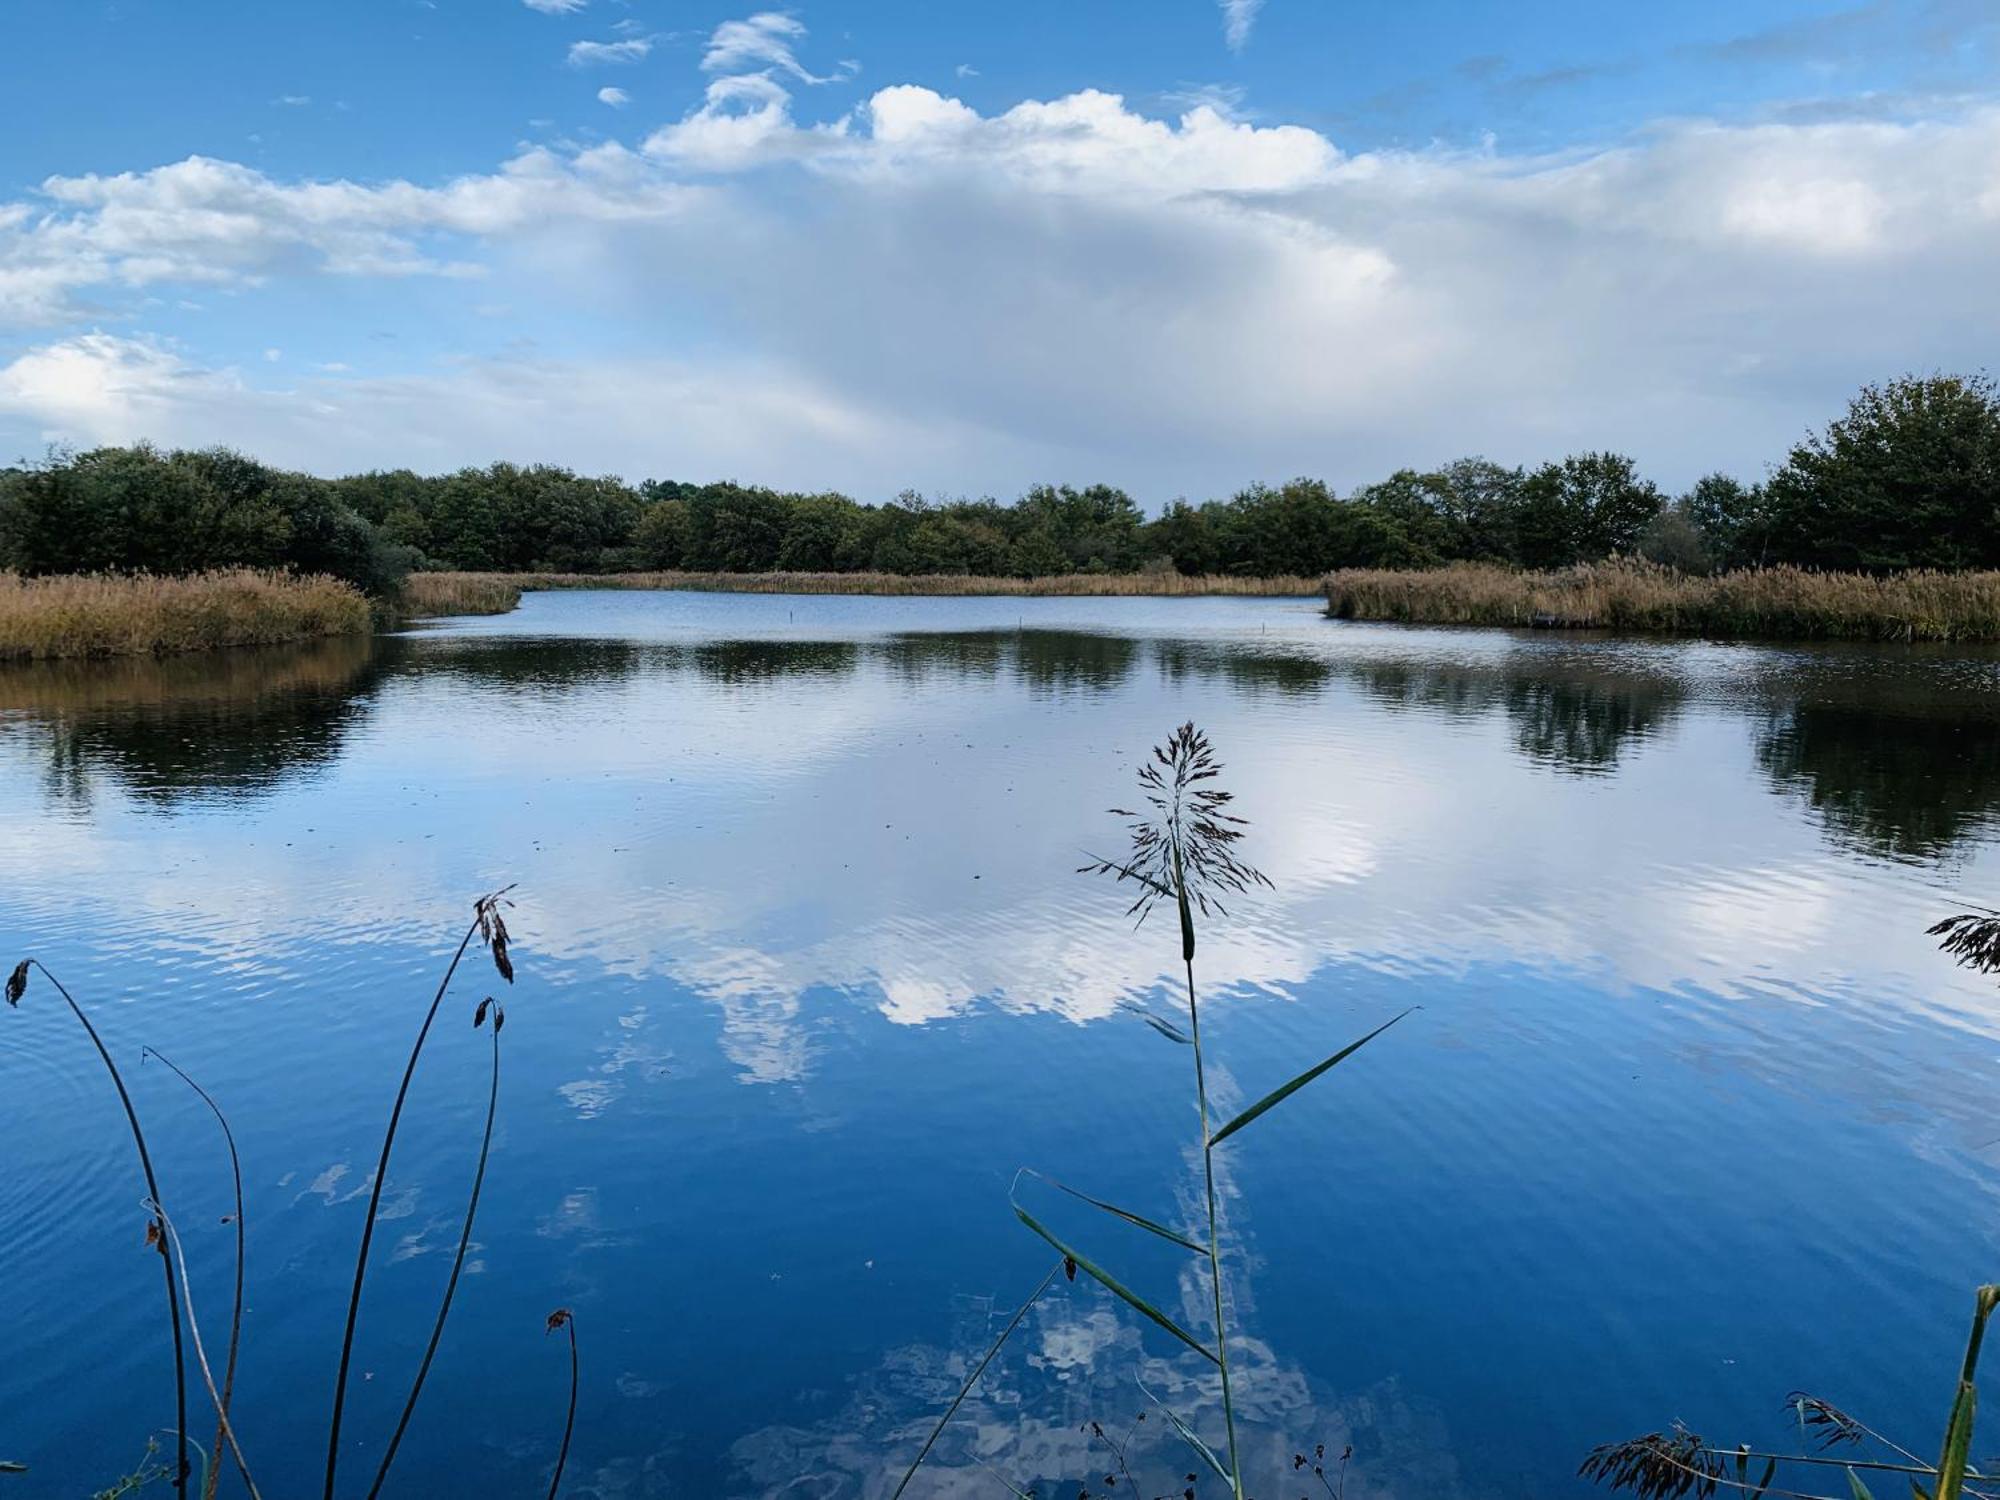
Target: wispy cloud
x,y
966,70
1238,16
616,98
588,54
763,41
556,7
293,101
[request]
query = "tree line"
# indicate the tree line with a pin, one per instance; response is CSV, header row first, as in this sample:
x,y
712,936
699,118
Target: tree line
x,y
1908,477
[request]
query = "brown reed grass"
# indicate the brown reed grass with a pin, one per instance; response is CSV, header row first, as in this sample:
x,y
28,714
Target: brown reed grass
x,y
495,593
144,615
1778,603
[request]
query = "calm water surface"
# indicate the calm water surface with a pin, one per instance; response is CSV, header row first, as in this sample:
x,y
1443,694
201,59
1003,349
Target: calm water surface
x,y
1692,1115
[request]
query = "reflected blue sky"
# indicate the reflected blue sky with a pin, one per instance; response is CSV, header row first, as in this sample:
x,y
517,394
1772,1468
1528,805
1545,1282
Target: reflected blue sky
x,y
1693,1114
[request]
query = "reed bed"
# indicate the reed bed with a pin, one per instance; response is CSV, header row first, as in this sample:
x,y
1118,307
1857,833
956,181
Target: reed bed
x,y
143,615
426,594
1778,603
496,593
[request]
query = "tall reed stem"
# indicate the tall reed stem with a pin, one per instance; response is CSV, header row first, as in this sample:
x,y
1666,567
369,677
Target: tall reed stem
x,y
15,985
236,1301
457,1260
1215,1249
374,1204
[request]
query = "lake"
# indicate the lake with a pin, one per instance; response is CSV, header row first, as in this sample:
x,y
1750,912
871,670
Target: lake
x,y
1693,1114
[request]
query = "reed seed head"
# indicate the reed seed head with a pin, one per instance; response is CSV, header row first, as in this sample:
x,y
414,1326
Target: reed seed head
x,y
1973,939
1658,1466
1831,1425
493,929
558,1319
1184,848
17,982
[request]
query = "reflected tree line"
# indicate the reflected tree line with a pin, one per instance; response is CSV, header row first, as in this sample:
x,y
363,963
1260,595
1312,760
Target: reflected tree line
x,y
1892,762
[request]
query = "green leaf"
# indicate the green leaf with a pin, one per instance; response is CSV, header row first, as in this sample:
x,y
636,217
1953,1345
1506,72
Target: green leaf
x,y
1279,1095
1114,1286
1113,1209
1856,1487
1189,1435
7,1467
1165,1028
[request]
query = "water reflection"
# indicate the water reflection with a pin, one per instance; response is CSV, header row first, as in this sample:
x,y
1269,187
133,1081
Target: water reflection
x,y
231,723
1895,754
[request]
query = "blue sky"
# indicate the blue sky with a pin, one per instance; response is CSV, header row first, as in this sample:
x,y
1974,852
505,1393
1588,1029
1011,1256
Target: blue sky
x,y
872,243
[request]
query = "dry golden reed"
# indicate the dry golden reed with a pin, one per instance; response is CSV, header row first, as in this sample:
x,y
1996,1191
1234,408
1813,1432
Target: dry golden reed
x,y
140,614
1779,603
495,593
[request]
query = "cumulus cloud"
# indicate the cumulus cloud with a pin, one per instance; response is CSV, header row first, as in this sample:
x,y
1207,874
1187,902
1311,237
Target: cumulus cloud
x,y
590,54
1070,286
1238,16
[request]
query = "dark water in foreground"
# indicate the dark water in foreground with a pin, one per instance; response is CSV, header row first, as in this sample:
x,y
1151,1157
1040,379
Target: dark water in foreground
x,y
1693,1114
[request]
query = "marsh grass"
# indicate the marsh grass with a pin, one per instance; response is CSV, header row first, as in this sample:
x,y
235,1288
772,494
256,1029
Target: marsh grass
x,y
488,593
1777,603
1183,852
143,615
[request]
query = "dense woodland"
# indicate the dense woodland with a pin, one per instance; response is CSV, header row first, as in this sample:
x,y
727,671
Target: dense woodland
x,y
1908,477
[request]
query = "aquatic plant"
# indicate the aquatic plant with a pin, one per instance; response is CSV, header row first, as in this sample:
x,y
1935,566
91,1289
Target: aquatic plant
x,y
17,986
1183,851
139,614
1779,603
490,926
424,594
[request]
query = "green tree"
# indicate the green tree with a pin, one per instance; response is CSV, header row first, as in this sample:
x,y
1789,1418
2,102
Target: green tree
x,y
1908,478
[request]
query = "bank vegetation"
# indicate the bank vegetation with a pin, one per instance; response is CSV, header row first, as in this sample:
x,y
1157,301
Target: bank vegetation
x,y
144,615
1772,603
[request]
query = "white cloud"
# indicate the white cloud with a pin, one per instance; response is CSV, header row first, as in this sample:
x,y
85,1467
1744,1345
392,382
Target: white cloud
x,y
964,300
966,70
630,50
556,7
1238,16
763,41
293,101
616,98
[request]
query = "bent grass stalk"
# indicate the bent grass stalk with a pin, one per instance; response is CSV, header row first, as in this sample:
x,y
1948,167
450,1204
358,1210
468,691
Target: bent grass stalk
x,y
236,1299
488,925
562,1317
201,1355
17,985
458,1256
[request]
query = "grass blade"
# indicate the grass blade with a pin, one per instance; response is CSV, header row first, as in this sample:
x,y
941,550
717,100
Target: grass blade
x,y
1166,1029
1958,1432
972,1380
1279,1095
1189,1435
1139,1220
1114,1286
